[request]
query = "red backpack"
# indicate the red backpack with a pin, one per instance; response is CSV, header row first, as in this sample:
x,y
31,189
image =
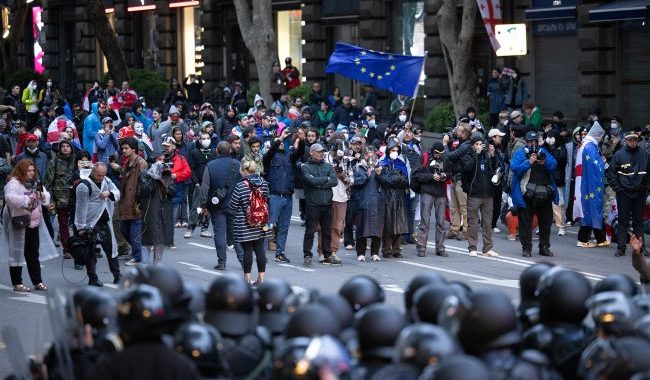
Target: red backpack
x,y
258,209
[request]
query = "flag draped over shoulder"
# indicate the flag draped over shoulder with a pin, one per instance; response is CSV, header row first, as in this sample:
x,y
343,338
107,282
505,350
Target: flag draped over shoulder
x,y
589,185
399,74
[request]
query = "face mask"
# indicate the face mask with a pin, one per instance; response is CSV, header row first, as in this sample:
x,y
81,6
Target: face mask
x,y
33,86
372,123
139,130
32,150
402,118
514,76
393,155
550,140
614,125
205,144
49,84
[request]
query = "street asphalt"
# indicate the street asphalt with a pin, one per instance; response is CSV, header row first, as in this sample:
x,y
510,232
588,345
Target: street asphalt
x,y
196,257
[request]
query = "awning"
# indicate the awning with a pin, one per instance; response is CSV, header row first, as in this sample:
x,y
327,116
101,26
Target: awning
x,y
620,10
550,13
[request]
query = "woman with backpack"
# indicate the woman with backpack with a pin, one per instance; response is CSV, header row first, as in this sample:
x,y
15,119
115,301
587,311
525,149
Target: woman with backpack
x,y
249,202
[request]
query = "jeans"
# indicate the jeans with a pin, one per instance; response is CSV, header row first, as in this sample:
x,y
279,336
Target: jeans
x,y
439,204
315,216
219,227
31,258
280,216
132,232
258,247
179,202
485,205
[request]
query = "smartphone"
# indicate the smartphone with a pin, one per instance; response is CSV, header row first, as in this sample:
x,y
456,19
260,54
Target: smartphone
x,y
39,186
353,125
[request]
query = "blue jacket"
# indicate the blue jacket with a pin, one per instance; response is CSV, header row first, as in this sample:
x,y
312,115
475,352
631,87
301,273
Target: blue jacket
x,y
40,161
92,125
106,145
520,166
496,91
223,171
279,166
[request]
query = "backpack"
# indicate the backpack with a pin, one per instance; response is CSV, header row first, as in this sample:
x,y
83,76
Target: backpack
x,y
258,209
72,197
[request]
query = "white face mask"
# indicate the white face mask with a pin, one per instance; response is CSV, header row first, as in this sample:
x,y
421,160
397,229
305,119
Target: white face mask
x,y
393,155
32,150
514,76
138,130
402,118
372,123
33,86
614,124
49,84
205,144
550,140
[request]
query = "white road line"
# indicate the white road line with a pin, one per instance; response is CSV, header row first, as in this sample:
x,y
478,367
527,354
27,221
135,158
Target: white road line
x,y
476,278
112,286
201,245
297,268
189,264
200,269
393,288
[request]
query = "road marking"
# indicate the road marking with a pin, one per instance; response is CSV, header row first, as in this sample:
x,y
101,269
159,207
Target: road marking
x,y
200,269
189,264
25,297
112,286
201,245
297,267
476,278
393,288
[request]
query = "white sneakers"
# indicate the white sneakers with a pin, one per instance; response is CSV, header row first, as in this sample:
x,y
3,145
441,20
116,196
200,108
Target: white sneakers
x,y
561,232
489,253
496,230
188,234
376,258
512,237
361,258
349,247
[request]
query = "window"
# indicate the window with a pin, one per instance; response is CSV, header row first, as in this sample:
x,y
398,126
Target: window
x,y
289,37
409,30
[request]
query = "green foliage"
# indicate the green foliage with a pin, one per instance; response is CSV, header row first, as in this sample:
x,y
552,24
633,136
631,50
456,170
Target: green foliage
x,y
302,92
149,84
22,77
250,95
440,117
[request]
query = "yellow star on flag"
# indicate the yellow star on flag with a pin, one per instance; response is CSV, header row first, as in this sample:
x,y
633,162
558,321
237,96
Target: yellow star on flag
x,y
372,75
392,67
591,195
390,56
387,73
379,77
586,196
598,189
363,69
363,53
587,157
357,61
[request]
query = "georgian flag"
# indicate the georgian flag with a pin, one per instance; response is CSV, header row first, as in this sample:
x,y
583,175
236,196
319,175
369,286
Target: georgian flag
x,y
491,15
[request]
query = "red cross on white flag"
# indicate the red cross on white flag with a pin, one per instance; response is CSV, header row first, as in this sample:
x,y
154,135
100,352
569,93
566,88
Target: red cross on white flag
x,y
491,15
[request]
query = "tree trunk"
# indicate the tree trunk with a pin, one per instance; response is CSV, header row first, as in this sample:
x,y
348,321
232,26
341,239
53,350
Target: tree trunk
x,y
256,26
10,50
457,50
107,39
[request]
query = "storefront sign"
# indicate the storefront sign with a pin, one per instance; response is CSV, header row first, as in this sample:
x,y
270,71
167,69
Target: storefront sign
x,y
555,28
141,5
553,3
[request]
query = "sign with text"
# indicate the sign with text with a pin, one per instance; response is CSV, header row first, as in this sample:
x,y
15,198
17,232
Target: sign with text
x,y
512,39
555,28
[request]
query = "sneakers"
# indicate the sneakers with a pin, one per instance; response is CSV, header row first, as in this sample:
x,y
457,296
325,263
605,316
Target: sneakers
x,y
442,254
281,258
569,223
546,252
349,247
527,254
172,246
603,244
490,253
619,253
231,247
206,234
537,231
220,266
496,230
561,232
588,244
361,258
321,257
188,234
376,258
184,225
473,253
512,237
307,261
131,263
332,260
177,225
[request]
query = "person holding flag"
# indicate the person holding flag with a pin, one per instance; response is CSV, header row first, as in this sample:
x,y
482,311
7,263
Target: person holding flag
x,y
589,189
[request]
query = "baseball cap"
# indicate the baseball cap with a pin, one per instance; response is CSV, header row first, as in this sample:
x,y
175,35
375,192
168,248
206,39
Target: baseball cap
x,y
495,132
355,139
104,120
316,148
169,140
632,133
515,114
531,135
31,137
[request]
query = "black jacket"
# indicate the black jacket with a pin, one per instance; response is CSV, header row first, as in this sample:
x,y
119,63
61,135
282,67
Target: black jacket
x,y
478,170
454,159
318,179
628,171
560,154
198,160
424,176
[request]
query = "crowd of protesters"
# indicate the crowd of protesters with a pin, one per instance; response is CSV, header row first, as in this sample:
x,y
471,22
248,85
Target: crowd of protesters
x,y
131,172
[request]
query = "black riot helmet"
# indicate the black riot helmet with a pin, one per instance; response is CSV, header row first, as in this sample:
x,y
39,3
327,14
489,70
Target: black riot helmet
x,y
423,344
626,358
339,306
230,305
416,283
378,327
459,367
99,311
490,323
196,293
617,282
276,302
562,296
428,301
203,344
142,313
614,313
165,278
528,281
361,291
307,358
313,320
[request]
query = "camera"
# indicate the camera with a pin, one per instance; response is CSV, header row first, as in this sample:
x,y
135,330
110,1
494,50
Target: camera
x,y
167,170
112,159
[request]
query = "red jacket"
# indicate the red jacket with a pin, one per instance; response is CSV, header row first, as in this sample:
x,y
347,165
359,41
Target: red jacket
x,y
181,168
128,97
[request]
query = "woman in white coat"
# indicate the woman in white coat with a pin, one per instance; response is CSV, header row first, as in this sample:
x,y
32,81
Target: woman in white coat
x,y
32,243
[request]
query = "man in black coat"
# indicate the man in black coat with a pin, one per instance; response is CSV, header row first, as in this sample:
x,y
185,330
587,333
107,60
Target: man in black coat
x,y
198,160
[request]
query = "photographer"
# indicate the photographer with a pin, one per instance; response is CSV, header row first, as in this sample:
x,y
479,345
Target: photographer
x,y
106,141
180,171
157,187
458,206
340,160
95,199
479,168
533,191
431,180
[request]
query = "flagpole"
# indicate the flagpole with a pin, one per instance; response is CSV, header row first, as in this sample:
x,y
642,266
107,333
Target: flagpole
x,y
417,88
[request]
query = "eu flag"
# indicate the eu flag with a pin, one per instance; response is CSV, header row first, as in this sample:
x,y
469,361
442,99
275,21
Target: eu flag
x,y
392,72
